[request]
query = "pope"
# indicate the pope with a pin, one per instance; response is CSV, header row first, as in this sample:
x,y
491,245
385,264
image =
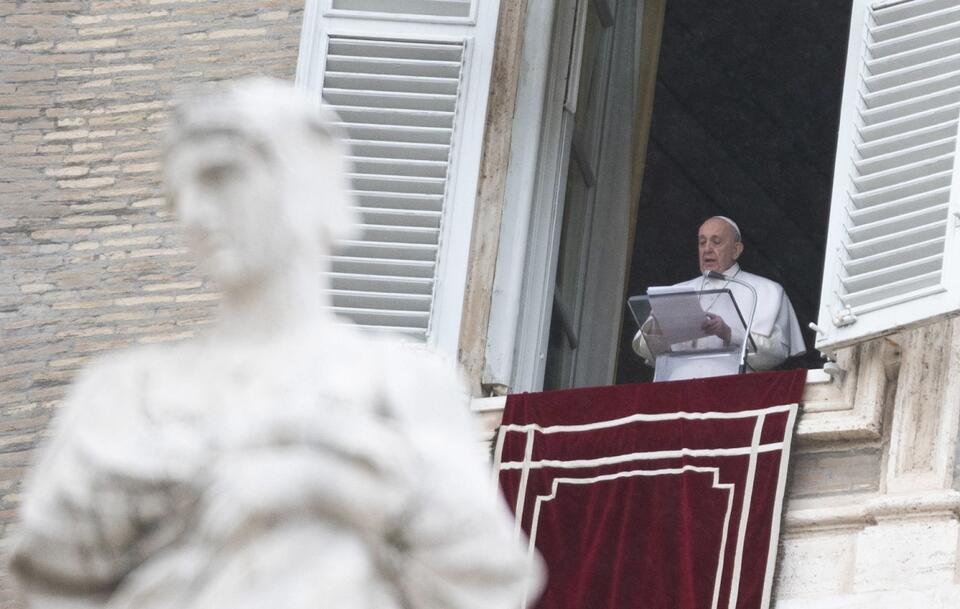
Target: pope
x,y
775,332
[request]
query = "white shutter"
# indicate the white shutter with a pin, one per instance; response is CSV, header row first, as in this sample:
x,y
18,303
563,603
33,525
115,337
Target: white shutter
x,y
892,258
399,89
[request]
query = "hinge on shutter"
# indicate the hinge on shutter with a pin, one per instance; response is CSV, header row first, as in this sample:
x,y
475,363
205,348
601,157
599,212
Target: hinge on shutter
x,y
845,317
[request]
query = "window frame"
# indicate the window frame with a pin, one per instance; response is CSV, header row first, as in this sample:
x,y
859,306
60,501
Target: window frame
x,y
521,308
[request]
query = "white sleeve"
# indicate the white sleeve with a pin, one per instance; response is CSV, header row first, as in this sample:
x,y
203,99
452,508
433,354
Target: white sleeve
x,y
772,350
643,348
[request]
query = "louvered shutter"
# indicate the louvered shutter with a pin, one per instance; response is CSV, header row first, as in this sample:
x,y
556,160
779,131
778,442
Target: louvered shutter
x,y
397,73
892,254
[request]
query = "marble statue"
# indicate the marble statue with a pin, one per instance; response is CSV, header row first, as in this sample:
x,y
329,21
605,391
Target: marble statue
x,y
282,460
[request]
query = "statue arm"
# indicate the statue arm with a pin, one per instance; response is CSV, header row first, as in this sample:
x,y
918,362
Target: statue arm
x,y
340,467
69,548
409,479
461,552
101,497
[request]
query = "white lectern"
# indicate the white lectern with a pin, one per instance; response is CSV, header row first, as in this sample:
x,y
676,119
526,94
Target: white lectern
x,y
671,322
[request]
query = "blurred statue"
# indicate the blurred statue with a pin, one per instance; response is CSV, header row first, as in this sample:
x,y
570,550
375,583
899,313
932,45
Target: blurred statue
x,y
282,460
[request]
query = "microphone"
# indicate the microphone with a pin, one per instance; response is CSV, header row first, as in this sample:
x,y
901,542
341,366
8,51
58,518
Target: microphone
x,y
753,310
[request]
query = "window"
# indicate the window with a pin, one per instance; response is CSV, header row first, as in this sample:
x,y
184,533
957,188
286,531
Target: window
x,y
892,218
744,124
410,82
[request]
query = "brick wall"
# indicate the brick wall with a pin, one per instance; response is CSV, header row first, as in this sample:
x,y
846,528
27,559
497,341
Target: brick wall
x,y
89,258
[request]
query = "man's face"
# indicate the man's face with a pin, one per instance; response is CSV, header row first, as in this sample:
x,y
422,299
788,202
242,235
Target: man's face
x,y
719,247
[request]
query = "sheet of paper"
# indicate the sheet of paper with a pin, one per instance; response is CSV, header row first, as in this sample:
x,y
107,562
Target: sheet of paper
x,y
678,313
656,290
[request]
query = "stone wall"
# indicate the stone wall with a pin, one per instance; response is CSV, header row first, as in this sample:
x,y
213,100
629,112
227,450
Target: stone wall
x,y
89,258
896,542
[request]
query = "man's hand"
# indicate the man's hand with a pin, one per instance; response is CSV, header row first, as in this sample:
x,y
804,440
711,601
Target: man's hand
x,y
715,325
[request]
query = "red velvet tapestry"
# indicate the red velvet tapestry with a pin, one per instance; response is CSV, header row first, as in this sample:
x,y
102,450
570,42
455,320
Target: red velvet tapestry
x,y
653,496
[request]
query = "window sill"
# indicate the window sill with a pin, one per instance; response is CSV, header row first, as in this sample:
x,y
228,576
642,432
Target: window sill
x,y
831,410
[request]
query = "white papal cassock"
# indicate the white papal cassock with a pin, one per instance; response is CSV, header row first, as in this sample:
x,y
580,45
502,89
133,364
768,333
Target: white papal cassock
x,y
776,330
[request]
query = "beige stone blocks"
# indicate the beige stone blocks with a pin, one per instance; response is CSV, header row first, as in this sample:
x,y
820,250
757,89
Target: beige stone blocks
x,y
906,559
96,44
896,544
69,171
87,183
907,554
89,259
816,564
237,33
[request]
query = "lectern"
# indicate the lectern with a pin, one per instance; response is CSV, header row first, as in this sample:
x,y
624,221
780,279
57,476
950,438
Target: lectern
x,y
671,321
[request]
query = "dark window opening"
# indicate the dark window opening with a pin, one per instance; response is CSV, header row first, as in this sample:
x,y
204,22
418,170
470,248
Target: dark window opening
x,y
744,124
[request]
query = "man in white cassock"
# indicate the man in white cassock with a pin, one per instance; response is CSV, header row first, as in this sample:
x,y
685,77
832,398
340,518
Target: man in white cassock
x,y
775,332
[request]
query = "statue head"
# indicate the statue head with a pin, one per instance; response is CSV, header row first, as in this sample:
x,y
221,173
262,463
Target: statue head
x,y
258,176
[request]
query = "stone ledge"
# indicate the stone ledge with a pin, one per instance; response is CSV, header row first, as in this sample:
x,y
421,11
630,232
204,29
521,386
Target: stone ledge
x,y
859,511
832,409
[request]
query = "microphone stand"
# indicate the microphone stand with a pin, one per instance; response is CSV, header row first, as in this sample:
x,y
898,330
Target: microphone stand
x,y
753,311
